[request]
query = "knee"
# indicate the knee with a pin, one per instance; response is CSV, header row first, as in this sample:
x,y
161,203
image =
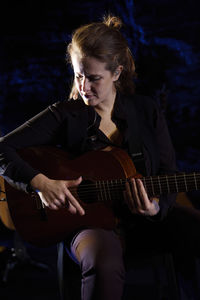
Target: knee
x,y
99,252
102,265
109,268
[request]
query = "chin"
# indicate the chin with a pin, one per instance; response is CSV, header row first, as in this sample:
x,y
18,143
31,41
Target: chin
x,y
91,102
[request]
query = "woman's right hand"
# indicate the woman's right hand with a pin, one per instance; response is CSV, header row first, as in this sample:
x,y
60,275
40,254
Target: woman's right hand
x,y
55,194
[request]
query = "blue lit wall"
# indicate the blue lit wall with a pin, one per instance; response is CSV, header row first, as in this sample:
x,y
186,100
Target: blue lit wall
x,y
163,35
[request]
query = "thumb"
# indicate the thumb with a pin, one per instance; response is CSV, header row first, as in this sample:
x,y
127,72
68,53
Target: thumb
x,y
75,182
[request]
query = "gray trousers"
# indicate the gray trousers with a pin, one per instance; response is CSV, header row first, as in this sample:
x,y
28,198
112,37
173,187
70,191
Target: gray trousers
x,y
99,253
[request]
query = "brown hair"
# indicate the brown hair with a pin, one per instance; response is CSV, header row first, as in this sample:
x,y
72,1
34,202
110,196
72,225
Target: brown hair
x,y
104,41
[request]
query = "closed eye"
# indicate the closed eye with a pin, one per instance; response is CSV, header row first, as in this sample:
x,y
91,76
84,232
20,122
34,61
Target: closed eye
x,y
78,76
94,78
91,78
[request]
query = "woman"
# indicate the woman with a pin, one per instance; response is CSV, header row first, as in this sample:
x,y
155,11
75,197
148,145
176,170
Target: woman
x,y
103,110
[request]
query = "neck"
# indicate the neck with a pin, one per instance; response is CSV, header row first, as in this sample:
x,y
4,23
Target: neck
x,y
106,106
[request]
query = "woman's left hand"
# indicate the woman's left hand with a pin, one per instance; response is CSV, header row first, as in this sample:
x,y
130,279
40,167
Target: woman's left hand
x,y
137,199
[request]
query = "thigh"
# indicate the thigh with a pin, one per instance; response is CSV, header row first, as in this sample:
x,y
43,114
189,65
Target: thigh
x,y
96,242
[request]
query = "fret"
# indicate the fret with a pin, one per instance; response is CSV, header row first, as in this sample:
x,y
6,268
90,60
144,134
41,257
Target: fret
x,y
104,191
121,184
195,181
144,183
116,194
180,182
152,186
96,187
108,190
176,183
167,184
159,185
101,193
198,181
111,190
149,186
185,181
156,189
163,185
172,182
192,181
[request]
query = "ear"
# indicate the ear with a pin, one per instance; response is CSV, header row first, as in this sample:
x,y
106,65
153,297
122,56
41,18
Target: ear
x,y
117,72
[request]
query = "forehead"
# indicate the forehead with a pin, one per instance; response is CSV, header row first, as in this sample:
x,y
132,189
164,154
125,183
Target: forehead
x,y
88,65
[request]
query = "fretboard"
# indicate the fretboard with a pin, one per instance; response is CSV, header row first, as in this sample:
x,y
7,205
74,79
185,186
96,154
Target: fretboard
x,y
154,185
169,184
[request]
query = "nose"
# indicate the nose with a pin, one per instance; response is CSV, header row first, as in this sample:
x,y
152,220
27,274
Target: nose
x,y
86,85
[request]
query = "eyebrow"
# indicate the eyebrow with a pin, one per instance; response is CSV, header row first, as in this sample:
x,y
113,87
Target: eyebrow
x,y
89,75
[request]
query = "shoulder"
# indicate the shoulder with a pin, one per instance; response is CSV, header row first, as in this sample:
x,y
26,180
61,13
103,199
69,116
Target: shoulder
x,y
141,104
69,105
63,109
140,101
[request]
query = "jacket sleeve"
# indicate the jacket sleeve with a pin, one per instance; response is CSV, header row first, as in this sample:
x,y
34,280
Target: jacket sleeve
x,y
43,129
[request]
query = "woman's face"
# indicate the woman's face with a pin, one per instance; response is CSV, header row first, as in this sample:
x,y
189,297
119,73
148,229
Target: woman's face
x,y
94,83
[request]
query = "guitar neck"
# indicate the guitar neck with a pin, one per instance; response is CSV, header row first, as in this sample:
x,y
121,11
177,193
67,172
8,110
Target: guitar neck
x,y
154,185
169,184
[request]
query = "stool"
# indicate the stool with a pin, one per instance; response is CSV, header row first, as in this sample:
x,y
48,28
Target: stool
x,y
69,275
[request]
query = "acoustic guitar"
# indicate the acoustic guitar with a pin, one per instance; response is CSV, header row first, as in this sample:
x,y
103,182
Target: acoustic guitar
x,y
104,172
4,210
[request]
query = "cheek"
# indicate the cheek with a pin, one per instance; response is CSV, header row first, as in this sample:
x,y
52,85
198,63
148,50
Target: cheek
x,y
78,84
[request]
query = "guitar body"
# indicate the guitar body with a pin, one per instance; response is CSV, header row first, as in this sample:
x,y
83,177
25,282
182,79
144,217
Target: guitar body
x,y
44,227
4,211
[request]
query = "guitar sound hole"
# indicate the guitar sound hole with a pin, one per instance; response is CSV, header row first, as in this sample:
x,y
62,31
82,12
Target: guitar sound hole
x,y
87,191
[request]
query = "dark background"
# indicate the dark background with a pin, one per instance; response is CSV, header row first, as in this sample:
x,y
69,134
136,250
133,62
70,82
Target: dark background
x,y
163,35
164,38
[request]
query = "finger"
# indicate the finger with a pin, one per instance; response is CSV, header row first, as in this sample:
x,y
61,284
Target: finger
x,y
71,208
129,198
135,193
74,182
140,198
74,203
60,199
51,205
54,204
144,199
58,203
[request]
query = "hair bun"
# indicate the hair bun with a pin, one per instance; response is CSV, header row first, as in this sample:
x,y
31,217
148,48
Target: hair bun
x,y
112,21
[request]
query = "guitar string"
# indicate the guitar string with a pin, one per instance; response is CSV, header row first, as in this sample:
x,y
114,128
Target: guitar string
x,y
117,186
148,189
147,181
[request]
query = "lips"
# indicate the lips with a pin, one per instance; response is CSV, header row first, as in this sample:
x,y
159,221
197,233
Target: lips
x,y
88,96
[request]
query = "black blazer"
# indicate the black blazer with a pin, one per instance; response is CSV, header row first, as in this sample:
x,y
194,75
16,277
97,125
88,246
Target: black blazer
x,y
66,124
